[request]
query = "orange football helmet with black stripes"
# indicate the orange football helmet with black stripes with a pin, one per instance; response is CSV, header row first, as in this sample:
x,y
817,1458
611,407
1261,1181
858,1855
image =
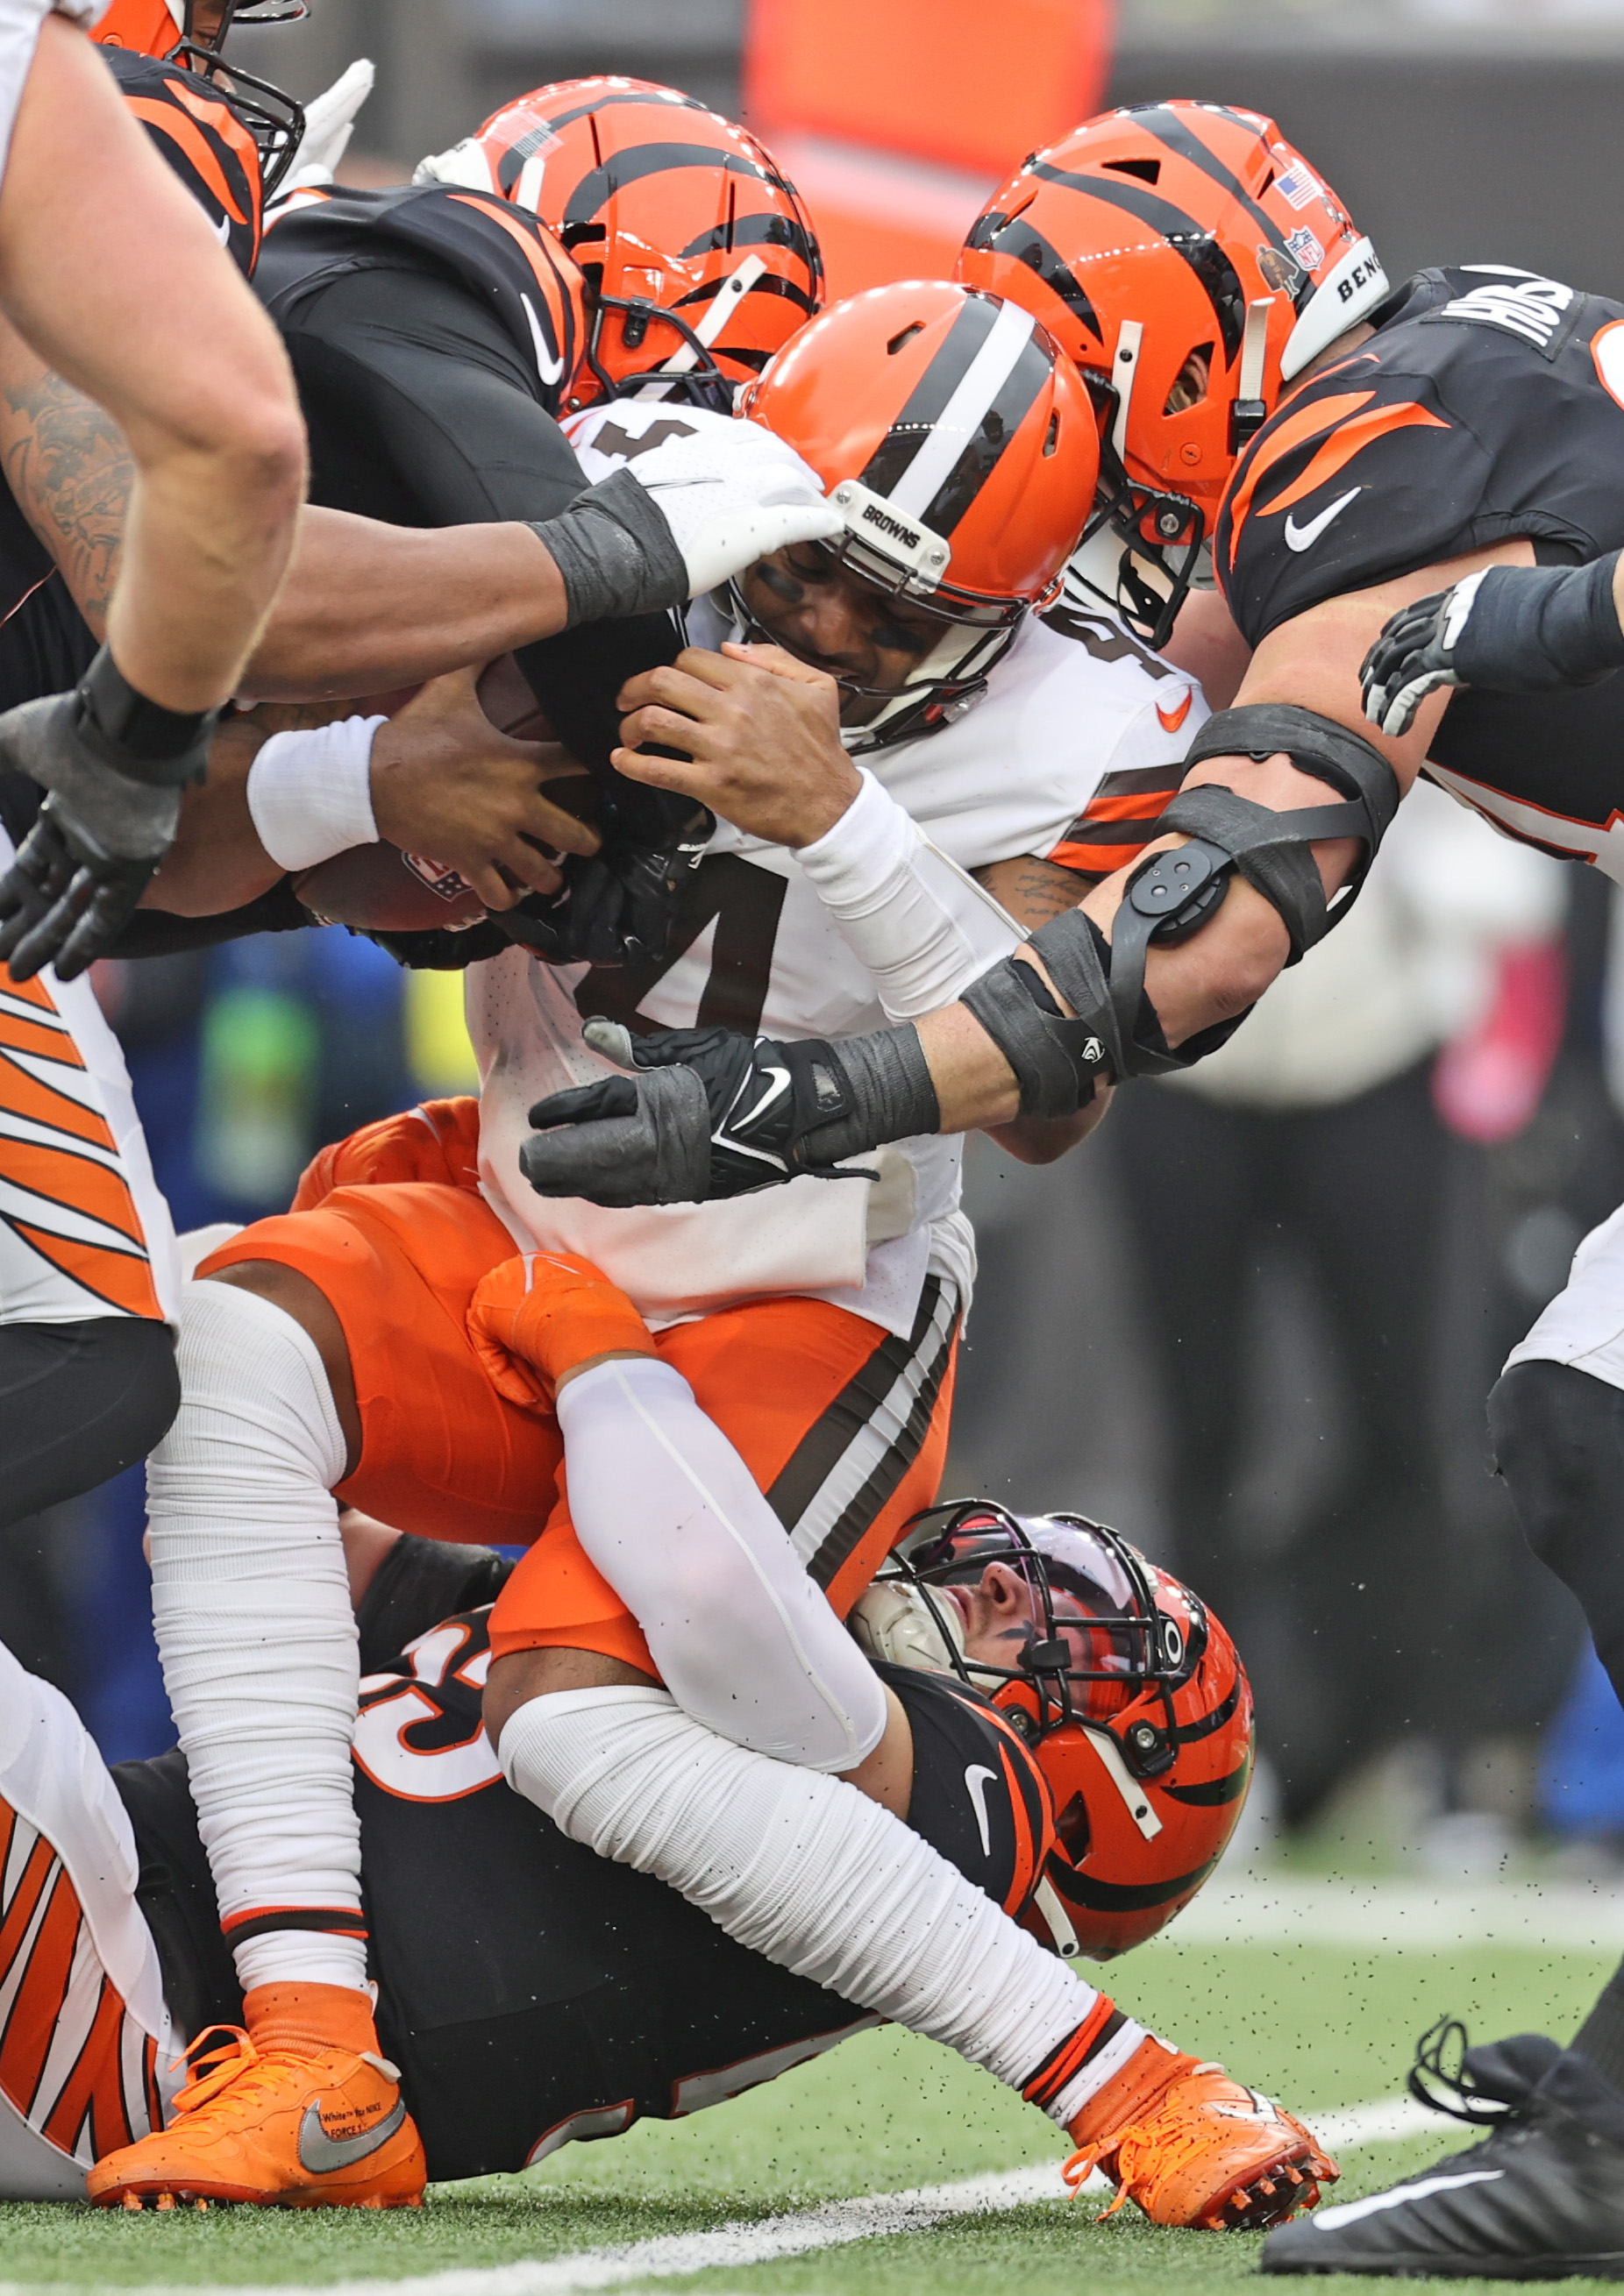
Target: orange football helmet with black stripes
x,y
962,448
1192,263
194,32
1132,1697
700,260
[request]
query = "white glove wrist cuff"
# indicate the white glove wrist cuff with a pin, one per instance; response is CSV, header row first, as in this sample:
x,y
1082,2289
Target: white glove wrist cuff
x,y
310,792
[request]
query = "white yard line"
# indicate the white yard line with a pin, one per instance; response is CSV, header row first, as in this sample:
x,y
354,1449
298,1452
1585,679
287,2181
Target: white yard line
x,y
834,2225
1400,1916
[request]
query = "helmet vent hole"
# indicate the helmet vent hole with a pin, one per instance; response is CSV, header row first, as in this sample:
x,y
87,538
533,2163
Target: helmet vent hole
x,y
1190,383
1051,435
1148,171
1073,1827
906,336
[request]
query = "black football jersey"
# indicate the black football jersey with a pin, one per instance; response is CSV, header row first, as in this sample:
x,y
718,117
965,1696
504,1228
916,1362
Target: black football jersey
x,y
1488,405
502,254
529,1991
195,129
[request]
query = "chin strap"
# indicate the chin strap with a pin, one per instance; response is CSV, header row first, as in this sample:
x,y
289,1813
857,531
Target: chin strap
x,y
1115,1032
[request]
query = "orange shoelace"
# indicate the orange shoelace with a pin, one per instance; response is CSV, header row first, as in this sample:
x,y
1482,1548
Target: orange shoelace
x,y
1172,2139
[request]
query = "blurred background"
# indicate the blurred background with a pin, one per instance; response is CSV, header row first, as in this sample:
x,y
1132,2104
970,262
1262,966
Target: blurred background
x,y
1279,1291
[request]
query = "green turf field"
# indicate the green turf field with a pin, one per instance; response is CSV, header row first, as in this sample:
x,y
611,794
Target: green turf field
x,y
1321,2025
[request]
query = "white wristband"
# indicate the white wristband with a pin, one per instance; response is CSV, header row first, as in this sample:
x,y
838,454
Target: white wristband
x,y
310,793
924,929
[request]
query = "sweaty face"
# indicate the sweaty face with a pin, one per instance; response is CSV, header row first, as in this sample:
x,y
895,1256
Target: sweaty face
x,y
807,602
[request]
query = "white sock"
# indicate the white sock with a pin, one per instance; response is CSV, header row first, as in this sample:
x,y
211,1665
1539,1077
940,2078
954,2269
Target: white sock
x,y
667,1510
802,1869
255,1628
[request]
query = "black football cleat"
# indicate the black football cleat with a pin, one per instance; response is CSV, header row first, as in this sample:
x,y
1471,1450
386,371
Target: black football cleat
x,y
1542,2198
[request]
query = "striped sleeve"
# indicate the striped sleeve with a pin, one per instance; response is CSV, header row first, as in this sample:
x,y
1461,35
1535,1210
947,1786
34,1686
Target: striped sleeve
x,y
1140,775
1118,820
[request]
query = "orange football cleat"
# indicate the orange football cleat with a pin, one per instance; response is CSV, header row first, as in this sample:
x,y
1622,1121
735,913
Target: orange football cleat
x,y
287,2117
1209,2153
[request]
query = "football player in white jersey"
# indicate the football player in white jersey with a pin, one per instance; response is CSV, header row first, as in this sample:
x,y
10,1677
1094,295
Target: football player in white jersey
x,y
333,1354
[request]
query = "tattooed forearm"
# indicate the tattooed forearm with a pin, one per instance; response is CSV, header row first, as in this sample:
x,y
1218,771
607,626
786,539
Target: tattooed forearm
x,y
1032,890
67,462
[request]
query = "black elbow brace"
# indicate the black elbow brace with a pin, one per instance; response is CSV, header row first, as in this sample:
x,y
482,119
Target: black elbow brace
x,y
1171,895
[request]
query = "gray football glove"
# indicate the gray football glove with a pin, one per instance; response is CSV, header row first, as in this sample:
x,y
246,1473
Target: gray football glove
x,y
114,765
712,1114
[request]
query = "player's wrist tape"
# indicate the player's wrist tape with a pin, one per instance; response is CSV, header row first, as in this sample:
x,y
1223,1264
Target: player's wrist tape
x,y
923,928
161,748
1530,628
309,794
1270,848
885,1080
1114,1031
615,553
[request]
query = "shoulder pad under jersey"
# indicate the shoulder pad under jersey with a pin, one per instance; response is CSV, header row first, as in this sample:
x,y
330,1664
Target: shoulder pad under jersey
x,y
505,255
208,147
1488,405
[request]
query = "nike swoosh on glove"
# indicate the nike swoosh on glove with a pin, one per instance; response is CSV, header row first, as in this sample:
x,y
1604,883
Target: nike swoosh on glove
x,y
1509,629
732,497
100,835
712,1114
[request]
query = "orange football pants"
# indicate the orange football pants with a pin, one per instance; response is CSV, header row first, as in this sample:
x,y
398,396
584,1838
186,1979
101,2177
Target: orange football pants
x,y
797,1385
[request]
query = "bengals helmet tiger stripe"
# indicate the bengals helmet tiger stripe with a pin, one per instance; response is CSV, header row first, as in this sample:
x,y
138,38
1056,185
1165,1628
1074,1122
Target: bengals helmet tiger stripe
x,y
962,448
699,257
1191,263
1130,1694
183,32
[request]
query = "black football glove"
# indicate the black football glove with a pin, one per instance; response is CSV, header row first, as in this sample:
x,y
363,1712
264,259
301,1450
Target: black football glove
x,y
618,906
1512,629
712,1114
114,765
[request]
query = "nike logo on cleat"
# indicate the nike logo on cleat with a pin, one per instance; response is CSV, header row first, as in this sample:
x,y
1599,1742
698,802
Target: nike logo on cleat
x,y
319,2153
1304,537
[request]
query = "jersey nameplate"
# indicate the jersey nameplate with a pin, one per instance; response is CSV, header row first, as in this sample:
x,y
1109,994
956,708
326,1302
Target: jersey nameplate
x,y
1542,312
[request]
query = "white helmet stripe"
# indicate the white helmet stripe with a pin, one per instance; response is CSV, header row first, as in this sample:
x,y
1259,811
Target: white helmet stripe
x,y
961,417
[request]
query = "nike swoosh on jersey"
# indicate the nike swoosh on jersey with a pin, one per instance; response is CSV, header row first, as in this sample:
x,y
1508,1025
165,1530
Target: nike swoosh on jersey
x,y
1171,720
222,230
1304,537
977,1779
318,2153
549,365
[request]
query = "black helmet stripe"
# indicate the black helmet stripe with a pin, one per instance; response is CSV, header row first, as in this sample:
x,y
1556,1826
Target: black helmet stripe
x,y
1082,1889
931,394
915,458
1214,1794
1032,373
1169,129
765,230
1220,282
652,159
767,284
1014,236
632,96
